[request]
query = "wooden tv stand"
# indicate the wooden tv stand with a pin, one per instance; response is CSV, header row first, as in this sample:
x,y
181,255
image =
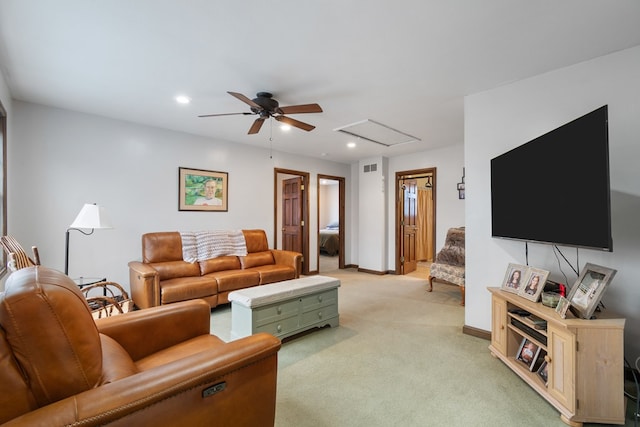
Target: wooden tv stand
x,y
585,358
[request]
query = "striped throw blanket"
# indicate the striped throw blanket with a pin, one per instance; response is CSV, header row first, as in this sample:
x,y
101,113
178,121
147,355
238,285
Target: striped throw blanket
x,y
203,245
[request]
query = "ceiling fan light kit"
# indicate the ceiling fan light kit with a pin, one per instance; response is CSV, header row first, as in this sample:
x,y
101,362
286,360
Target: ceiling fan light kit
x,y
265,107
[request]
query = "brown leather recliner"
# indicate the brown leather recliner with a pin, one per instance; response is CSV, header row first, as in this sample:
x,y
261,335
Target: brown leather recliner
x,y
156,367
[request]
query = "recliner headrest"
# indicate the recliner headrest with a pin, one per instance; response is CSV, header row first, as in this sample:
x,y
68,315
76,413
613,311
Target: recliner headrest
x,y
53,336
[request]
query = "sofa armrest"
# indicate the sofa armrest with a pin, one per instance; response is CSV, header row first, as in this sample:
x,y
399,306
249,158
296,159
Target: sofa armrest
x,y
217,384
144,332
288,258
145,284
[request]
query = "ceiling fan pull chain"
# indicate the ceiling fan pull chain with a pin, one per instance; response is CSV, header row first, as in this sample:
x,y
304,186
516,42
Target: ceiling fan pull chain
x,y
270,138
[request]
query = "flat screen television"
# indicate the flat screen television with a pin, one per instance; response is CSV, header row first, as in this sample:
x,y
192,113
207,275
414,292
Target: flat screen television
x,y
555,188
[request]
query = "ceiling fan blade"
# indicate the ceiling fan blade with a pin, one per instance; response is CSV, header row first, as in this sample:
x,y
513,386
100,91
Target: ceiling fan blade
x,y
294,123
226,114
299,109
255,127
244,99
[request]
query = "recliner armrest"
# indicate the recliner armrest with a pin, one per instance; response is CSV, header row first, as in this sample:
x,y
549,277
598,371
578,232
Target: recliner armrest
x,y
144,332
235,382
144,281
288,258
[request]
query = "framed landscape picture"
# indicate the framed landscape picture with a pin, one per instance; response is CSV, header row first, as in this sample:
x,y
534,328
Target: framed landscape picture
x,y
586,293
202,190
514,277
533,284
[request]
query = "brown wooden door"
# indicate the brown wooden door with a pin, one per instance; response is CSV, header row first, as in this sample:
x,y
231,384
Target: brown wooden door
x,y
408,258
292,214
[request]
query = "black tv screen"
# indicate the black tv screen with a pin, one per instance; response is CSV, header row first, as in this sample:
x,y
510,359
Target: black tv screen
x,y
555,188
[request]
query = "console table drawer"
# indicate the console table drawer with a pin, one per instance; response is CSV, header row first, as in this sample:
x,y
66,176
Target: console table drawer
x,y
314,301
279,327
275,312
318,315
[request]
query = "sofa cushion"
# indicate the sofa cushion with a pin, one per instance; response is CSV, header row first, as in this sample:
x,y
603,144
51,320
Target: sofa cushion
x,y
274,273
219,264
116,362
175,269
186,288
179,351
161,247
257,259
256,240
232,280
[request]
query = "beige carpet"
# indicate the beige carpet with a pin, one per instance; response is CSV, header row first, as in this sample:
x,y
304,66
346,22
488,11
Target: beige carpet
x,y
398,358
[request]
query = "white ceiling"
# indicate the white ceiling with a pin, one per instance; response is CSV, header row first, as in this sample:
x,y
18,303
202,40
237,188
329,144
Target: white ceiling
x,y
405,63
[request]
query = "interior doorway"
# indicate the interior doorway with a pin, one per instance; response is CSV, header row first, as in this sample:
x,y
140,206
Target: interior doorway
x,y
291,213
415,218
331,223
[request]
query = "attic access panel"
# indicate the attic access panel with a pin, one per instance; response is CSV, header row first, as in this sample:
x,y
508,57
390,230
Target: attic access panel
x,y
377,132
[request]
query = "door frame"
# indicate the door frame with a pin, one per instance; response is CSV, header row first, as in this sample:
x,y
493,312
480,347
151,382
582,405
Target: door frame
x,y
341,217
304,206
400,175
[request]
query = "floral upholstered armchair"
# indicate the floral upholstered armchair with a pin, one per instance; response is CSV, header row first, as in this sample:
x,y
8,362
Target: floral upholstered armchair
x,y
449,264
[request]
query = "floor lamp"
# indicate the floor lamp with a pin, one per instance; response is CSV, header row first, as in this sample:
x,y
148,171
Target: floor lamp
x,y
91,217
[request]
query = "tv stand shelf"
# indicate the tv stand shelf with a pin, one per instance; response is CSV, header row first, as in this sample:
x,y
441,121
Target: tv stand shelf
x,y
585,361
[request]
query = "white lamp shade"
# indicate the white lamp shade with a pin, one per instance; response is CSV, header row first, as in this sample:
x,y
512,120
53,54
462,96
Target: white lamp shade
x,y
91,216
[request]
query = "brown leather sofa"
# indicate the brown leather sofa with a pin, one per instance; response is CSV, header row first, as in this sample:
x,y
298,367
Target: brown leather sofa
x,y
155,367
163,277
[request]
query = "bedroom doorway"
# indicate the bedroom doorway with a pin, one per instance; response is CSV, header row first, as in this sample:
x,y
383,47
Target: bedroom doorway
x,y
331,230
415,219
291,213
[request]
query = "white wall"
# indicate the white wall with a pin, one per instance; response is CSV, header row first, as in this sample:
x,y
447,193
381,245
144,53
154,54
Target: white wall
x,y
372,220
60,160
501,119
329,204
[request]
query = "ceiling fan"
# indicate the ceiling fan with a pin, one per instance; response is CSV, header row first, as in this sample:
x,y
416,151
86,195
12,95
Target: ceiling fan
x,y
265,106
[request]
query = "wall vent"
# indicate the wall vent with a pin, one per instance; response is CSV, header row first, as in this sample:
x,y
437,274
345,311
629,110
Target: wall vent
x,y
370,168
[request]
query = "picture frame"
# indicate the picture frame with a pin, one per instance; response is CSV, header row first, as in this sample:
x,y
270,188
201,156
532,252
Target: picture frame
x,y
587,291
533,284
528,353
543,372
514,277
563,305
202,190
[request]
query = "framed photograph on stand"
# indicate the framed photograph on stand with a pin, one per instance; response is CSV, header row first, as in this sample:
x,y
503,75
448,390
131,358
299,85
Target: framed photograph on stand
x,y
588,289
563,305
543,372
514,277
528,353
533,284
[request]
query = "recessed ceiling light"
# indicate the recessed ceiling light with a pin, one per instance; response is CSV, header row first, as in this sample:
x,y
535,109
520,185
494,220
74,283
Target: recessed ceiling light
x,y
181,99
351,144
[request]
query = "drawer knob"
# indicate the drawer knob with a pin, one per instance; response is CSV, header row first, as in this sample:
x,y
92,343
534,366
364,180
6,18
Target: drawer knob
x,y
320,315
279,328
279,310
320,298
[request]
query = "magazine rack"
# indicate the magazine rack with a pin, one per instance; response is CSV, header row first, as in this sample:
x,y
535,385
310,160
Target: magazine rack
x,y
583,377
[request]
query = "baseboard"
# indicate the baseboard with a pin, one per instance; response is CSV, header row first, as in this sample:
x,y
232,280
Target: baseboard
x,y
379,273
479,333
